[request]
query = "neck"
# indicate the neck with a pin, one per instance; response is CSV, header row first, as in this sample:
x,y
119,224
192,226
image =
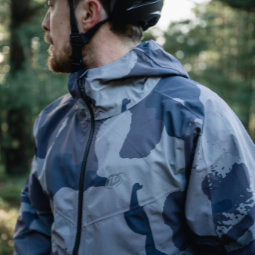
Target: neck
x,y
106,47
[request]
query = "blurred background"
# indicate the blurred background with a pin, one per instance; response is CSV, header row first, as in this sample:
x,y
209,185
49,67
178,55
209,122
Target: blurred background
x,y
214,40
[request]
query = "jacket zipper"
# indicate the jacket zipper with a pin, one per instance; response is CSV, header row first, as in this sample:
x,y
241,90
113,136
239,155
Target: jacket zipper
x,y
83,168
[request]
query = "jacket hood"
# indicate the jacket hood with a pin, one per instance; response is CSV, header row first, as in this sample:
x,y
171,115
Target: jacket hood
x,y
120,85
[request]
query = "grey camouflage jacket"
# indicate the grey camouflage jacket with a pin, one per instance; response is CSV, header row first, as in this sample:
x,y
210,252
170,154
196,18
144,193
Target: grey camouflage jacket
x,y
139,160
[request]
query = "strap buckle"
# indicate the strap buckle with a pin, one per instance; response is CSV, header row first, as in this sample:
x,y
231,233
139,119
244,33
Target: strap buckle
x,y
78,40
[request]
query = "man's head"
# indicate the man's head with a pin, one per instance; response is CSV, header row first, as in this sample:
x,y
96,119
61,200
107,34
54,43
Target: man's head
x,y
124,23
58,29
131,32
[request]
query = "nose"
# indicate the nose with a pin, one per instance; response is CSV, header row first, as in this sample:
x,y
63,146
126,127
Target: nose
x,y
46,22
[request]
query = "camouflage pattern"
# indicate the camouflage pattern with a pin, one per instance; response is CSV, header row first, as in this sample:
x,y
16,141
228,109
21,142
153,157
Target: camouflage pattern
x,y
170,169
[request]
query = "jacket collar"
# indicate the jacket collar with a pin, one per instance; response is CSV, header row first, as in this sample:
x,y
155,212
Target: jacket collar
x,y
120,85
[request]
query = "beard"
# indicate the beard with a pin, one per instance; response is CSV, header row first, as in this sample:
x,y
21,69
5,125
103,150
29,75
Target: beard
x,y
59,60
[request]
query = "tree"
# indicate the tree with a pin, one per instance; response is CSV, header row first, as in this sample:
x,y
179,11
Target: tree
x,y
16,155
247,5
26,86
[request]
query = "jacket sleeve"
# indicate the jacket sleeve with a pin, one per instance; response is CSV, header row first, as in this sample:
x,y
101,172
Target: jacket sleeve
x,y
33,229
220,204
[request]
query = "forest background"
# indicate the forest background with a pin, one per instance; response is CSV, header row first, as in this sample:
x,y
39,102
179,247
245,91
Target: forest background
x,y
217,48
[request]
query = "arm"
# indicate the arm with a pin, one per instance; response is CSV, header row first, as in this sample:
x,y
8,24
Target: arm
x,y
33,229
220,205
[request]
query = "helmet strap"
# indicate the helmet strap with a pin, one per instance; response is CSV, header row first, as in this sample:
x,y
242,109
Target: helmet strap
x,y
79,40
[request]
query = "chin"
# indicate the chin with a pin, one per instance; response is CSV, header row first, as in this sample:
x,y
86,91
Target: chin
x,y
59,66
60,63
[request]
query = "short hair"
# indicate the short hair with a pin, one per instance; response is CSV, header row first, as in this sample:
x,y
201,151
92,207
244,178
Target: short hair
x,y
133,32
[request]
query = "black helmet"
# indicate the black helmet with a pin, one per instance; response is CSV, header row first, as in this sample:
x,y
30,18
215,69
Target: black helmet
x,y
144,13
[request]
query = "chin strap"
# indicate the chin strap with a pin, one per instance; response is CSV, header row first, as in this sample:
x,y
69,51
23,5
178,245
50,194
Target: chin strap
x,y
78,40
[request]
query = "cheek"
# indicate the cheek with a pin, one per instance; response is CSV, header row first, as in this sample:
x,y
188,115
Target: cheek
x,y
60,25
60,28
59,33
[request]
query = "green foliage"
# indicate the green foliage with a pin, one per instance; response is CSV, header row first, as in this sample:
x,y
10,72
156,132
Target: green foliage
x,y
218,50
10,188
29,90
247,5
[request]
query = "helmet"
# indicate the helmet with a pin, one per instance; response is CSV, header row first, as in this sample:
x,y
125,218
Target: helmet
x,y
144,13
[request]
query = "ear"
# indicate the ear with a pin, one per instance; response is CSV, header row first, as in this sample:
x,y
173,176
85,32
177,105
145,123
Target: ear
x,y
88,14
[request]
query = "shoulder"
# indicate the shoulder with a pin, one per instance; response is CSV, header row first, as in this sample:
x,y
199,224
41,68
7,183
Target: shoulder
x,y
189,103
53,111
180,97
60,104
50,117
198,100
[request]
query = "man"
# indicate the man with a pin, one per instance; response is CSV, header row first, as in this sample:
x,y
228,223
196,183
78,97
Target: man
x,y
138,159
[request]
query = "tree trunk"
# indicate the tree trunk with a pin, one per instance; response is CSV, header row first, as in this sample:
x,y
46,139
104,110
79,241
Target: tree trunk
x,y
16,155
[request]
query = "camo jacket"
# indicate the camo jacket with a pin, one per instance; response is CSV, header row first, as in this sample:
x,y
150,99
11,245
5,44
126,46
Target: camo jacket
x,y
138,159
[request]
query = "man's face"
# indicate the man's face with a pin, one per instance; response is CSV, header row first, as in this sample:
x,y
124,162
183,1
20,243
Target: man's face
x,y
57,32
